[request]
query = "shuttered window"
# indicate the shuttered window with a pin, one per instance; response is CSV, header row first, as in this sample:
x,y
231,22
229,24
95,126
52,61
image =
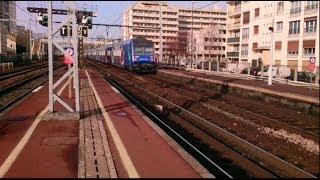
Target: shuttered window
x,y
293,48
277,45
246,18
309,43
254,45
256,12
255,29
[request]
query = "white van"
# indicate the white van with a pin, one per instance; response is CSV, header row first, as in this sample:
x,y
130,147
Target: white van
x,y
284,71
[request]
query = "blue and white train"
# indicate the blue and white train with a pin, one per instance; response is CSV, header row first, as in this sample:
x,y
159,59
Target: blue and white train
x,y
136,55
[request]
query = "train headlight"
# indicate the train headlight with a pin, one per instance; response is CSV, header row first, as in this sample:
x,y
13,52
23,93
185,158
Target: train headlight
x,y
151,58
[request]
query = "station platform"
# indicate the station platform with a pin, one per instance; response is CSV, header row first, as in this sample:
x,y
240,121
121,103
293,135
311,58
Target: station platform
x,y
112,138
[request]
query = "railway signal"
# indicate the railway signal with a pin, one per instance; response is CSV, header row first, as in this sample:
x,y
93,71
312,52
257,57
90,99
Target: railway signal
x,y
43,19
87,20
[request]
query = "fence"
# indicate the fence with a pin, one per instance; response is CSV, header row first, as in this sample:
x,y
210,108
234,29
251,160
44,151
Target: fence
x,y
288,73
6,66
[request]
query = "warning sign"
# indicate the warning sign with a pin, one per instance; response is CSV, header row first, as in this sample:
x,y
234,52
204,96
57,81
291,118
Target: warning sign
x,y
312,62
70,51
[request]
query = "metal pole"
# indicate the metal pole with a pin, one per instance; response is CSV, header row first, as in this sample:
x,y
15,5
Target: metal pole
x,y
272,51
69,65
50,36
220,49
160,58
75,64
30,49
192,36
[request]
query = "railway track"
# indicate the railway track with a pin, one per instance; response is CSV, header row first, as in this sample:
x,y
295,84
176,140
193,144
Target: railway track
x,y
305,125
249,157
22,70
13,93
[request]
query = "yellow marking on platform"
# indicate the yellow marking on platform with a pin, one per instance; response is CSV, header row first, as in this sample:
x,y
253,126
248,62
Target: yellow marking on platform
x,y
124,156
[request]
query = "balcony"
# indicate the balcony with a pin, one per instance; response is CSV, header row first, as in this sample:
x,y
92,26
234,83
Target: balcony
x,y
244,53
313,8
233,40
234,12
295,11
232,54
234,26
311,30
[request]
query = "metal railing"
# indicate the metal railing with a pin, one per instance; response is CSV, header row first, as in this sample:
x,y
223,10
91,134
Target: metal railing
x,y
294,31
234,39
295,10
311,7
233,54
310,29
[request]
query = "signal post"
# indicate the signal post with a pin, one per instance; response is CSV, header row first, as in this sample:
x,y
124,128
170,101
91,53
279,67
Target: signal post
x,y
45,19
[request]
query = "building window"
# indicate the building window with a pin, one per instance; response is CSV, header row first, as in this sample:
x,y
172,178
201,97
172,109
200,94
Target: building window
x,y
280,7
244,49
256,12
295,7
293,48
255,29
254,45
309,47
309,51
310,24
245,33
246,18
277,45
279,26
294,27
311,5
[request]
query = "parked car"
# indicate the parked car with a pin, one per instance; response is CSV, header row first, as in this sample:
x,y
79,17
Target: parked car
x,y
302,76
253,70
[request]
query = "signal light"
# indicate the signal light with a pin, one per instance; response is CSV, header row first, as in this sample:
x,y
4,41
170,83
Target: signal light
x,y
87,21
43,19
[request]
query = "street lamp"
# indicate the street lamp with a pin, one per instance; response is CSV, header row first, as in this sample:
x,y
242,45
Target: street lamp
x,y
192,34
271,47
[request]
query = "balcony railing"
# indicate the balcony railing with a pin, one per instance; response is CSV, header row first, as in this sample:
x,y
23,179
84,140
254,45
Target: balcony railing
x,y
310,29
311,7
235,11
294,31
244,53
234,39
235,25
295,10
233,54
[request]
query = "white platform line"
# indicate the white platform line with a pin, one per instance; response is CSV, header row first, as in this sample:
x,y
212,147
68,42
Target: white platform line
x,y
124,156
37,89
16,151
114,89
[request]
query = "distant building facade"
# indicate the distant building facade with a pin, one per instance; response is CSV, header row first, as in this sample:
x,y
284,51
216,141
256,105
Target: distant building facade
x,y
177,22
296,32
8,26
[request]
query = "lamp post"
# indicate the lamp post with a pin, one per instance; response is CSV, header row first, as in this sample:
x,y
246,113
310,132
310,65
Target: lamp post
x,y
272,51
192,34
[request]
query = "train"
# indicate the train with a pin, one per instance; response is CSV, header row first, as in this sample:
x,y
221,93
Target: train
x,y
135,55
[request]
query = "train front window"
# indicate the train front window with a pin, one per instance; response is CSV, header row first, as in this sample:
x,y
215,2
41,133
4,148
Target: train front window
x,y
148,51
138,51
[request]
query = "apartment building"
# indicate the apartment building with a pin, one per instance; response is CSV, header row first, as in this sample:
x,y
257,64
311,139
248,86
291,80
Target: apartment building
x,y
296,33
178,23
8,26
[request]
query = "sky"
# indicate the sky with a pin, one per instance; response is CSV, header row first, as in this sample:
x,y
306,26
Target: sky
x,y
108,12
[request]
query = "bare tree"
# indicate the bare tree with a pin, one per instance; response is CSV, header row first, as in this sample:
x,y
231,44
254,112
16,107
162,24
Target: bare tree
x,y
183,43
213,40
